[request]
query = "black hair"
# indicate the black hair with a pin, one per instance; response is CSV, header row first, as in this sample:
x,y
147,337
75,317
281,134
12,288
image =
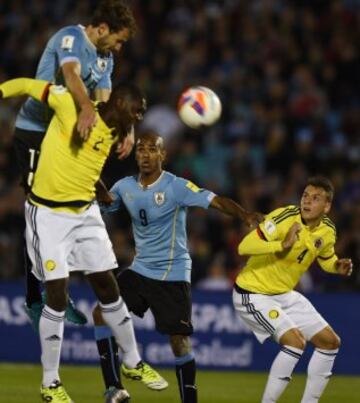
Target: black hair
x,y
127,91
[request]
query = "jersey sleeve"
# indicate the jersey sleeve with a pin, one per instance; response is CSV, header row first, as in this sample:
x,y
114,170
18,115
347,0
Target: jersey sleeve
x,y
327,257
187,194
254,244
68,45
270,229
116,192
105,81
268,236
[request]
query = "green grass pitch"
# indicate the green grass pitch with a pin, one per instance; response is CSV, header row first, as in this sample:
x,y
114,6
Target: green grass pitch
x,y
20,383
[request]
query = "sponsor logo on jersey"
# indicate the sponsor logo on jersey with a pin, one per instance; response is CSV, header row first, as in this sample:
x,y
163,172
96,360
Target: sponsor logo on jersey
x,y
318,243
50,265
159,198
101,64
274,314
269,227
67,42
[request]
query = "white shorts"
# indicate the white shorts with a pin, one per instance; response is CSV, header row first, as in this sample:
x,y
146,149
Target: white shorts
x,y
59,242
273,315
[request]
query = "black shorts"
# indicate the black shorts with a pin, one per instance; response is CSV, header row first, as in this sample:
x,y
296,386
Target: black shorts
x,y
27,147
169,301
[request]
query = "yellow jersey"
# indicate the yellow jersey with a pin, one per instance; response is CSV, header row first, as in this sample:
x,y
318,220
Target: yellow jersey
x,y
272,270
67,170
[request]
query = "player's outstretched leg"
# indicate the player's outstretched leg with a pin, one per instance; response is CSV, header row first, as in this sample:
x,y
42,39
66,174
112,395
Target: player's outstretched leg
x,y
116,315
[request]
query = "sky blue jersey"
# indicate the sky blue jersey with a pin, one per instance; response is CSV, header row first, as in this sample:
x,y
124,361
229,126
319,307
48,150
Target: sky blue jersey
x,y
158,215
69,44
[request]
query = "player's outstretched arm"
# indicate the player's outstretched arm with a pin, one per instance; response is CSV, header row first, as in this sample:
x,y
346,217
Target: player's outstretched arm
x,y
230,207
37,89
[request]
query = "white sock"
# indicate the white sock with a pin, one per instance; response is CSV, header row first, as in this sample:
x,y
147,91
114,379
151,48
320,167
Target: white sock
x,y
51,329
117,317
319,372
280,373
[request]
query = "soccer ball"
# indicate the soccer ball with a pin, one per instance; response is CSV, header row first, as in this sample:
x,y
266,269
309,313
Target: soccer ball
x,y
199,106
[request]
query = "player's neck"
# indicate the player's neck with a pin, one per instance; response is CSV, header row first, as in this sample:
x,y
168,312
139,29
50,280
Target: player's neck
x,y
312,223
147,180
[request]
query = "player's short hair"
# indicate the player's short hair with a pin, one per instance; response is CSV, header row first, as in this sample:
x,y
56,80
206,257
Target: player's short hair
x,y
151,134
323,183
127,91
116,14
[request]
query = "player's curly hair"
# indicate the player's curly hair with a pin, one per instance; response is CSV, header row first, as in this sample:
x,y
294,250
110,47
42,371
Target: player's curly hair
x,y
323,183
116,14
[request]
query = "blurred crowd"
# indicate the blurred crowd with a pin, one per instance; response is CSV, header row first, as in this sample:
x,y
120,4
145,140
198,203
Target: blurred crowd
x,y
287,73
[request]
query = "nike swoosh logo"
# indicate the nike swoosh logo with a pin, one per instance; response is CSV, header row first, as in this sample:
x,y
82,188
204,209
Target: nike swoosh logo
x,y
186,323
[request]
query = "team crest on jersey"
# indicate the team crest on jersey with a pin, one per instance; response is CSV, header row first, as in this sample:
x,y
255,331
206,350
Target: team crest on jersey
x,y
274,314
159,198
318,243
50,265
101,64
67,42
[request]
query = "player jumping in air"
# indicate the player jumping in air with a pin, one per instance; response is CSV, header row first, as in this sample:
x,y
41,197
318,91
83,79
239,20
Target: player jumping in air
x,y
81,58
64,228
159,277
281,249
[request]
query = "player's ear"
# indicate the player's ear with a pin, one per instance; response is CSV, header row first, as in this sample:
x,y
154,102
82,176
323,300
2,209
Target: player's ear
x,y
103,29
163,155
327,207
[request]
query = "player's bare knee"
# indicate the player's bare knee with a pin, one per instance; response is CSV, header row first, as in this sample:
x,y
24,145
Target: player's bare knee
x,y
293,338
332,342
180,345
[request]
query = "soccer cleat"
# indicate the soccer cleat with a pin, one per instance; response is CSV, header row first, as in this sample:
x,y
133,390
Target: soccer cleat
x,y
55,393
34,312
147,375
114,395
72,314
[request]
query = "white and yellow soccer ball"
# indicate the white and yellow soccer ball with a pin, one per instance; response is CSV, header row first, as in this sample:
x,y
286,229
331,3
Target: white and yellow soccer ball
x,y
199,106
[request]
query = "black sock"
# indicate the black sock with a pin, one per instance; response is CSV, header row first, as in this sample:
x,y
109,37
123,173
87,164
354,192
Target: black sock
x,y
185,374
33,285
109,361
